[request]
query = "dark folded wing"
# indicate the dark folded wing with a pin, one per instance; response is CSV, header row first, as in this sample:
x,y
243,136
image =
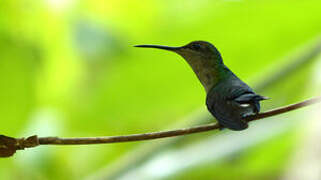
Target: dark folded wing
x,y
229,101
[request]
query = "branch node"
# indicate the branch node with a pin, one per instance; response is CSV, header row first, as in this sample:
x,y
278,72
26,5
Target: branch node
x,y
9,145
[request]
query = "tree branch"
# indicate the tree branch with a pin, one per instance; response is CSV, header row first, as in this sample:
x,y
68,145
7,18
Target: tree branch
x,y
9,145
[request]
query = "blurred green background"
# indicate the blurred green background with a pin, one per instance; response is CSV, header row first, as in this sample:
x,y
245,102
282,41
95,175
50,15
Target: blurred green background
x,y
68,68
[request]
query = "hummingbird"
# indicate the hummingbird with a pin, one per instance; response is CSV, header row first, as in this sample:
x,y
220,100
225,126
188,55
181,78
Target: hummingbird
x,y
228,98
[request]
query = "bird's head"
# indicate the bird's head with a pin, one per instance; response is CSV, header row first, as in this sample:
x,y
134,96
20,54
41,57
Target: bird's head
x,y
196,50
202,56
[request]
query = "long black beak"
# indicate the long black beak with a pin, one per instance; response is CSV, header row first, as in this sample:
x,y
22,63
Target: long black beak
x,y
159,47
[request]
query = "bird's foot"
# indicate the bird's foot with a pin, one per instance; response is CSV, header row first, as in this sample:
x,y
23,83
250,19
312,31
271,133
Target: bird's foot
x,y
221,127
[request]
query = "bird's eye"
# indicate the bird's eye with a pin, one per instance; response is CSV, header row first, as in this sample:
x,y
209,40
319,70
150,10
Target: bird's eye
x,y
196,46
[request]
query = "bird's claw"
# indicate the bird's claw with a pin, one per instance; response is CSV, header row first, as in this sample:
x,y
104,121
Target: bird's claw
x,y
221,127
